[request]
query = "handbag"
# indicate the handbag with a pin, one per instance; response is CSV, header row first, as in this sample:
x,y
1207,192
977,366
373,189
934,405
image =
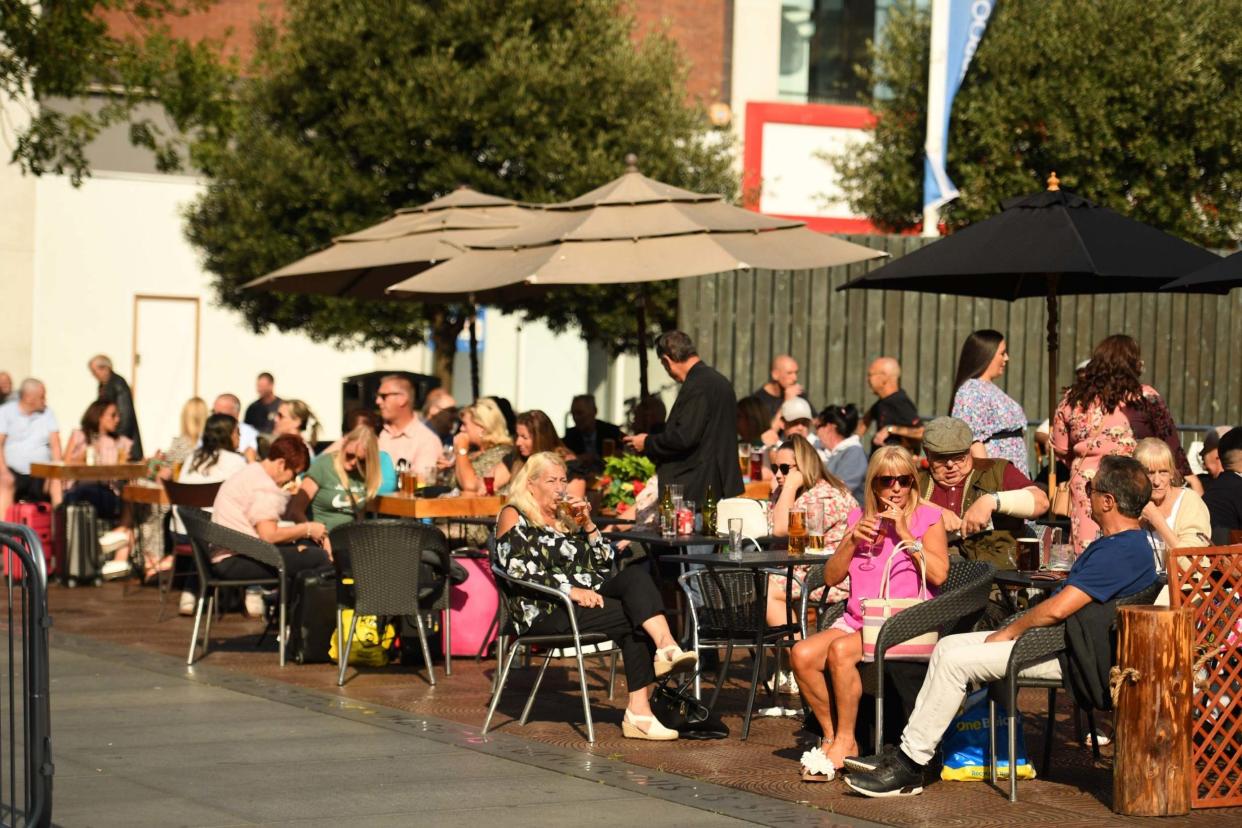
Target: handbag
x,y
676,707
1061,500
368,649
878,610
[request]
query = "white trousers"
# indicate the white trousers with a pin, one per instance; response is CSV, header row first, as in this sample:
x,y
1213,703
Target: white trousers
x,y
957,661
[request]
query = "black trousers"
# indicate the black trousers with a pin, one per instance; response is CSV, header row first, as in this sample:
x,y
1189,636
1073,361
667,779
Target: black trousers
x,y
240,568
630,598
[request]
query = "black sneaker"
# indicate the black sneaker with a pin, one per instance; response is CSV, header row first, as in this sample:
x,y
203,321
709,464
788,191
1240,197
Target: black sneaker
x,y
868,764
894,777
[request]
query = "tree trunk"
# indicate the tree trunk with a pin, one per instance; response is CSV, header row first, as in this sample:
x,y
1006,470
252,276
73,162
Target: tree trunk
x,y
1152,770
445,326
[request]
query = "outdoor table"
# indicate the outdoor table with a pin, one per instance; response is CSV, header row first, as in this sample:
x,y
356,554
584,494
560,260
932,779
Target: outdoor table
x,y
410,506
152,494
60,470
1012,580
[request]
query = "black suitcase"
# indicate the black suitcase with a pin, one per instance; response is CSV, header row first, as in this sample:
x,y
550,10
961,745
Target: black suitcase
x,y
312,616
79,558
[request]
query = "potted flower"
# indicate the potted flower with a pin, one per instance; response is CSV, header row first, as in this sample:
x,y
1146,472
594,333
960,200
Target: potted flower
x,y
623,478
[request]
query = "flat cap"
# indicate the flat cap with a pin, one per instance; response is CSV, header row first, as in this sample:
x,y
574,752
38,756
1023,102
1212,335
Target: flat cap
x,y
947,435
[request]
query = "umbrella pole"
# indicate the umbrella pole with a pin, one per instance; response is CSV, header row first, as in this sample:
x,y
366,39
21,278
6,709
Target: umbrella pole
x,y
1053,347
474,356
641,317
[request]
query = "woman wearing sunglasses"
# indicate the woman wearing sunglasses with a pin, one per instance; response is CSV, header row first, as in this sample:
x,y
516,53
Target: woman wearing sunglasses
x,y
339,482
891,514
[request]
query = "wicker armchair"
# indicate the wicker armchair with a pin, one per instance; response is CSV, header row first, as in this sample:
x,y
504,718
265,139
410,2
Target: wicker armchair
x,y
962,600
197,495
204,536
392,579
1035,646
733,613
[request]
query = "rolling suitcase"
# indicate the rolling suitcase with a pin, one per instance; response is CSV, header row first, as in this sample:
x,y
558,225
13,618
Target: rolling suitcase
x,y
473,607
37,516
79,559
312,616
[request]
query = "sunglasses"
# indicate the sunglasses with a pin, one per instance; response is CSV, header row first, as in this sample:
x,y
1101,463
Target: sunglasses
x,y
1093,490
905,481
356,458
383,395
782,468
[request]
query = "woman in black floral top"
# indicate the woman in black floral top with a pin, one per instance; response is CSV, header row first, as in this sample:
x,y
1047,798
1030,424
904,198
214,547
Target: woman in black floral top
x,y
535,544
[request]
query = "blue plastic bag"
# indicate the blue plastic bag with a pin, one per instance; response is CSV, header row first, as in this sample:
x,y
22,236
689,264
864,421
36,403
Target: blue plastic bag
x,y
965,744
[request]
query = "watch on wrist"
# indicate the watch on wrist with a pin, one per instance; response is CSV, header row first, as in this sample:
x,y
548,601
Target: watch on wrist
x,y
461,452
996,500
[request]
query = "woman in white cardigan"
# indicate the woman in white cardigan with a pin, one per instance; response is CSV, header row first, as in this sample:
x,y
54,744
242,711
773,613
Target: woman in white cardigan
x,y
1175,517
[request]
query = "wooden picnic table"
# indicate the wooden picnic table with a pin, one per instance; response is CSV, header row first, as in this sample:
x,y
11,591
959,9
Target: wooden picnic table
x,y
410,506
60,470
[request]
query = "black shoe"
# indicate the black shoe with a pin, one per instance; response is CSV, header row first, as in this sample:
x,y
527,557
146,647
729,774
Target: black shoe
x,y
868,764
894,777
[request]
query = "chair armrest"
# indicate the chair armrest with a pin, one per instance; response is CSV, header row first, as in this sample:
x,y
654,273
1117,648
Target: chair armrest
x,y
546,590
935,613
1036,645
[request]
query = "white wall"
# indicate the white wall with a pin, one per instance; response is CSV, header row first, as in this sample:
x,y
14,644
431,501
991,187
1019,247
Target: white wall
x,y
17,202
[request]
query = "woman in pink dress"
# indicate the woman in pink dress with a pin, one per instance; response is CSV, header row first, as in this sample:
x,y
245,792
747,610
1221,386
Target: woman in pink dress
x,y
1107,411
892,514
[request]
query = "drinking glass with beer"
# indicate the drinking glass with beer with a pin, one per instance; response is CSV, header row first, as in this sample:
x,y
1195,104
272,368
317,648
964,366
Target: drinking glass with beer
x,y
797,531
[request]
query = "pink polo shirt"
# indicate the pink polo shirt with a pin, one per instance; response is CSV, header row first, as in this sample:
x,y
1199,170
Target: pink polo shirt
x,y
245,499
416,444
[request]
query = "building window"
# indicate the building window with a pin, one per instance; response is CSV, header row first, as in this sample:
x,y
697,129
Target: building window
x,y
822,41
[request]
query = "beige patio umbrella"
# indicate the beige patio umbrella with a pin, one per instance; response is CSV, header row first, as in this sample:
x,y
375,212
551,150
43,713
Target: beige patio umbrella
x,y
631,230
364,263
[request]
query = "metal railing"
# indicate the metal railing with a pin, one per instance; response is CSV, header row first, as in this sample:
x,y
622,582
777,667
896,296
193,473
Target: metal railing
x,y
25,717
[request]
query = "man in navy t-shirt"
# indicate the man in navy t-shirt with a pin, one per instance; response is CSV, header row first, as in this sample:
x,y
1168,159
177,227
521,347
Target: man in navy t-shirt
x,y
1115,566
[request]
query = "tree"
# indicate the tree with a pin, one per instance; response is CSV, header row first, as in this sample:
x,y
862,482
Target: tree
x,y
72,48
1131,102
357,108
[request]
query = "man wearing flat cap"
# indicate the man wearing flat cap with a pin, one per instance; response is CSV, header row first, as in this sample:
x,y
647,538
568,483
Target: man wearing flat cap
x,y
982,501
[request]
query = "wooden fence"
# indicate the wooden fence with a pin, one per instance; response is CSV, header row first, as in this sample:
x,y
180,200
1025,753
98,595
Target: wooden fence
x,y
1191,344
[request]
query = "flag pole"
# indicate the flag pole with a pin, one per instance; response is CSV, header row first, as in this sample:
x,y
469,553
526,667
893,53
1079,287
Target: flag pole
x,y
937,95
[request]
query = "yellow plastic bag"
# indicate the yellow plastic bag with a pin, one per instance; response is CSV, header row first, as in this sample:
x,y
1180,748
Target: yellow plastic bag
x,y
367,649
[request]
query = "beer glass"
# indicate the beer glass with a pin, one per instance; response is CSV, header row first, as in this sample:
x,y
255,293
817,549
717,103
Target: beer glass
x,y
735,538
797,531
815,526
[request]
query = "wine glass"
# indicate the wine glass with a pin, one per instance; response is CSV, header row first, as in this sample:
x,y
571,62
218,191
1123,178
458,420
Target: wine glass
x,y
873,549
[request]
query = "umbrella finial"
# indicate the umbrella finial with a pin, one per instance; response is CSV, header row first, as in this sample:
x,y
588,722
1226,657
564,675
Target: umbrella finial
x,y
631,163
1054,183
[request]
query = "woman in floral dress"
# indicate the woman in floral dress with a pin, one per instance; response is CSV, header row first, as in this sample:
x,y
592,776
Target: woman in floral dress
x,y
1107,411
997,420
801,481
548,539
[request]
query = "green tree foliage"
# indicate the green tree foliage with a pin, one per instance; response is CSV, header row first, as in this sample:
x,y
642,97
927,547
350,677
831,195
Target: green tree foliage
x,y
357,107
1134,103
67,49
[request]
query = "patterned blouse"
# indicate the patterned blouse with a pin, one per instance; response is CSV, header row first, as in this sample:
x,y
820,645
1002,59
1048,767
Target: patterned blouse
x,y
481,461
990,412
550,558
837,508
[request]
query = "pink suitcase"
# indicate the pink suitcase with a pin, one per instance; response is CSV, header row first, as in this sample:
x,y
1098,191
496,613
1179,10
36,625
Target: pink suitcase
x,y
38,516
473,606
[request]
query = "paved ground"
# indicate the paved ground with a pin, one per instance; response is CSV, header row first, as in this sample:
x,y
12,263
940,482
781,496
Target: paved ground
x,y
139,741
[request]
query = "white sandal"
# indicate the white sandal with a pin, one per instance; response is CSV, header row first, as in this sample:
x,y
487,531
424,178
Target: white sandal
x,y
817,767
672,659
655,731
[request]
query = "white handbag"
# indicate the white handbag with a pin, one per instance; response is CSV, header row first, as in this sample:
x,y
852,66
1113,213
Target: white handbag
x,y
754,518
878,610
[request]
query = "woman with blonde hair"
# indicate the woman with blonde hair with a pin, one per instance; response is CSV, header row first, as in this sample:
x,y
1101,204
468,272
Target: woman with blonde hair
x,y
548,538
892,514
339,483
294,417
1175,516
478,447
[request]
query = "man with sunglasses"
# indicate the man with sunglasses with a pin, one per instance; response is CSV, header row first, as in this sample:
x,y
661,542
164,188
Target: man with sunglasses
x,y
1116,565
404,436
983,501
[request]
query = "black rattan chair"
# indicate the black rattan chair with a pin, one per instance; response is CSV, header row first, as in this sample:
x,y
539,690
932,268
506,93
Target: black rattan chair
x,y
197,495
732,614
205,536
962,600
393,579
1035,646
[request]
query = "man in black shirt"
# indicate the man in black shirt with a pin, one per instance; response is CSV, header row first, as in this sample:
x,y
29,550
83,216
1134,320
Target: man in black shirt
x,y
586,436
261,414
894,415
114,389
698,447
782,386
1224,496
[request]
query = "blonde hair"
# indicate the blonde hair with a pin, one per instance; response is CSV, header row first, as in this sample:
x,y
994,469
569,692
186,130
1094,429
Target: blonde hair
x,y
1155,454
810,463
487,414
302,413
520,496
193,418
364,437
896,460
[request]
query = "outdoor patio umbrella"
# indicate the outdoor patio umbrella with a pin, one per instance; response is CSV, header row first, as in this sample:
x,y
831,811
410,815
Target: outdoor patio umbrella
x,y
630,231
364,263
1221,276
1049,244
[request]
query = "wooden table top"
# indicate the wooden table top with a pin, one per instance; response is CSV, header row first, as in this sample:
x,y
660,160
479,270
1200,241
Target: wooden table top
x,y
81,471
758,490
403,505
153,495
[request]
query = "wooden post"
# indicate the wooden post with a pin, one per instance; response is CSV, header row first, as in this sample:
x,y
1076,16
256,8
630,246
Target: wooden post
x,y
1153,687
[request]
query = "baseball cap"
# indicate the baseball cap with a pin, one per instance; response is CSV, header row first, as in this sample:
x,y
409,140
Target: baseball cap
x,y
796,409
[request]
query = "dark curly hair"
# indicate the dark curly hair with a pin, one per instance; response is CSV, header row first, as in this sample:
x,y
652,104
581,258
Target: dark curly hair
x,y
1112,376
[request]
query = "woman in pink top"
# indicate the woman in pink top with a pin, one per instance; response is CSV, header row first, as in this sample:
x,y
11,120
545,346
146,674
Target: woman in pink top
x,y
892,513
97,442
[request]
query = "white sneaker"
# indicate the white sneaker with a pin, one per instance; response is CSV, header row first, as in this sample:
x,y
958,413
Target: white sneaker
x,y
115,569
254,602
113,540
188,603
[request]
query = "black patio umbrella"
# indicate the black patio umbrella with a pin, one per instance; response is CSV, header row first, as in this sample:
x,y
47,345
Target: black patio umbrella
x,y
1221,276
1052,243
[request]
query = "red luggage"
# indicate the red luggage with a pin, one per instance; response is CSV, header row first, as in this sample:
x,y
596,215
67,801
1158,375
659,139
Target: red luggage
x,y
38,516
473,606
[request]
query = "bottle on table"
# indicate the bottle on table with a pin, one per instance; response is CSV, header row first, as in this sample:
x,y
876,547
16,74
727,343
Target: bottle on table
x,y
709,511
668,514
